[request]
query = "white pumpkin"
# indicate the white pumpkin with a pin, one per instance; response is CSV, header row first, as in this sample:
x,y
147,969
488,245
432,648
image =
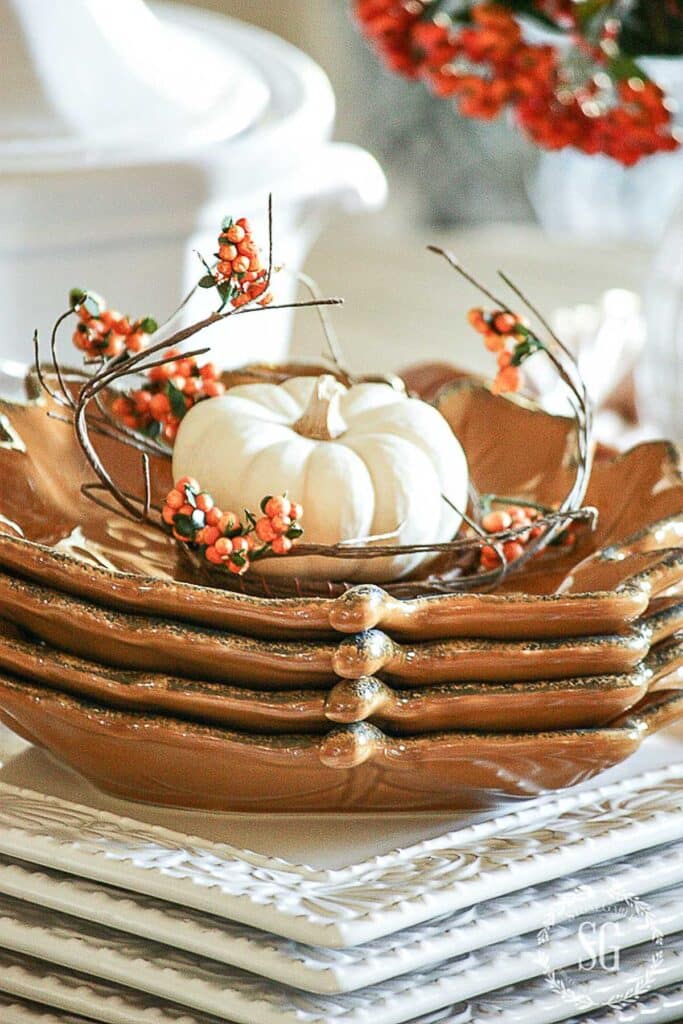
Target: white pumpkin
x,y
363,461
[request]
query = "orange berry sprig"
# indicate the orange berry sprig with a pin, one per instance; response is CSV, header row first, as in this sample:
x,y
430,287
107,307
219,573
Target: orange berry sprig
x,y
507,335
512,518
156,408
105,332
498,520
194,519
238,276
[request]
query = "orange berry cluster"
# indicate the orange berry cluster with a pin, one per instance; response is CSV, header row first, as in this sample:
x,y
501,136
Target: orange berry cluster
x,y
157,408
195,519
507,335
588,95
105,332
279,527
239,276
507,519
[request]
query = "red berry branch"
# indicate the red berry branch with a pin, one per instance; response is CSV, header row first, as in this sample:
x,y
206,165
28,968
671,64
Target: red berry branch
x,y
587,94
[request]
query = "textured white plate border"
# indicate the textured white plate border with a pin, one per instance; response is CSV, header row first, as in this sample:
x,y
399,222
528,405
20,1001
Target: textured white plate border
x,y
334,971
531,1003
213,988
363,901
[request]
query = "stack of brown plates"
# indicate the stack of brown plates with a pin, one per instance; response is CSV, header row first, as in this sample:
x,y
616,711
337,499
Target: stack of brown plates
x,y
405,697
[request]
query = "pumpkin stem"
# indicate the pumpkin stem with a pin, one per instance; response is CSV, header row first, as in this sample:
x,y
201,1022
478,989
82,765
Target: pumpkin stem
x,y
322,420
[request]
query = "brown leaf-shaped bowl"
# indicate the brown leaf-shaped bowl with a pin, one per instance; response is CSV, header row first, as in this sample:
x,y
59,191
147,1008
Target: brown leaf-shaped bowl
x,y
50,533
163,760
491,707
163,645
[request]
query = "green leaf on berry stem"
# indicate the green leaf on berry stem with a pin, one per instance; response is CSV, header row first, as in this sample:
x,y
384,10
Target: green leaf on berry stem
x,y
208,281
264,502
148,325
184,526
76,297
177,400
525,349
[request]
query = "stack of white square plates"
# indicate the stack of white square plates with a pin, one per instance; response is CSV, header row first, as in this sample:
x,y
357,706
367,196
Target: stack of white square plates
x,y
569,909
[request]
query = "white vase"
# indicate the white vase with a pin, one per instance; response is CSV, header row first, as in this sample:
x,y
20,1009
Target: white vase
x,y
595,199
659,376
127,132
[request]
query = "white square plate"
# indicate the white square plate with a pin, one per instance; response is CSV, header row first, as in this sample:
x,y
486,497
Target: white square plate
x,y
332,971
535,1002
364,901
236,995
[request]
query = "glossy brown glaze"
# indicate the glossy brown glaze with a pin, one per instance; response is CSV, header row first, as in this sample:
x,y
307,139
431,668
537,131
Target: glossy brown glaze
x,y
160,645
50,533
165,761
631,491
607,590
564,703
270,711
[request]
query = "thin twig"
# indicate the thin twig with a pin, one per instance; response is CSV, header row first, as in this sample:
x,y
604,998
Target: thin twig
x,y
269,273
582,412
328,330
96,486
364,551
61,419
457,265
545,323
88,491
40,375
284,305
148,485
112,370
55,362
480,532
151,445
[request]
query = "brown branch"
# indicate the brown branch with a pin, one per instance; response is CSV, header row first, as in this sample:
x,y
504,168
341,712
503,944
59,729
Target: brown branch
x,y
150,445
545,323
137,442
55,362
269,273
365,551
40,375
582,412
90,491
329,333
148,485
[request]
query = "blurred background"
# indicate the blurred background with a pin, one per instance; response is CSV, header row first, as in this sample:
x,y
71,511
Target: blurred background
x,y
591,240
595,241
